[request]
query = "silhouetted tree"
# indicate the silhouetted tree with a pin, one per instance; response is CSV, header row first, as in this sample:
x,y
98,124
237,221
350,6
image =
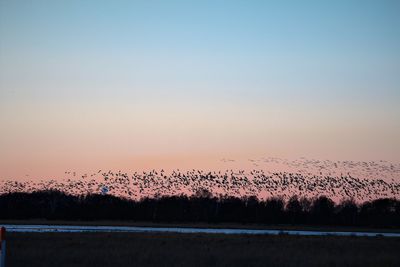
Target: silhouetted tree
x,y
322,210
294,210
201,207
347,212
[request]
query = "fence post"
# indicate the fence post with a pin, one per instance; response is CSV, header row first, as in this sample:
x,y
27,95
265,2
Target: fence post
x,y
3,247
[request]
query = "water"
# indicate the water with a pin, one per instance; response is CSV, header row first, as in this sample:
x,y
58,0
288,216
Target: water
x,y
184,230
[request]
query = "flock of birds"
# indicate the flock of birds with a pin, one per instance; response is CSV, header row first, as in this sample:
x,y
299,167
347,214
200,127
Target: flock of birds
x,y
230,182
366,169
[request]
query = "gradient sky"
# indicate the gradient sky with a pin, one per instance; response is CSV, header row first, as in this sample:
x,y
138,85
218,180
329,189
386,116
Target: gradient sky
x,y
151,84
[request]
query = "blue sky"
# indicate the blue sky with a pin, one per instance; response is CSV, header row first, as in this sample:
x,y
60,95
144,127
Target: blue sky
x,y
265,47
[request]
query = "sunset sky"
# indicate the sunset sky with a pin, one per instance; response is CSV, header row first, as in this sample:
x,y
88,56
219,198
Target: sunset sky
x,y
182,84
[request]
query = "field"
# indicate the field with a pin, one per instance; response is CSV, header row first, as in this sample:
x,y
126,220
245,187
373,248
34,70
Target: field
x,y
143,249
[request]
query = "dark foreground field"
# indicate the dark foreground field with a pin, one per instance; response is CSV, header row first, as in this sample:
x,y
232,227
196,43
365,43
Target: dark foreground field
x,y
142,249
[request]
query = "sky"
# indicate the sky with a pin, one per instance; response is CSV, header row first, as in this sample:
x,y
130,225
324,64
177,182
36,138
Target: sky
x,y
182,84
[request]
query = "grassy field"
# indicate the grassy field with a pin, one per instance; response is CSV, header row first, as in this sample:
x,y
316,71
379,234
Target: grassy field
x,y
143,249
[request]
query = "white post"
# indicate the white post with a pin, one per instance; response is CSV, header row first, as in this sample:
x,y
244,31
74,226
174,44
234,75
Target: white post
x,y
3,247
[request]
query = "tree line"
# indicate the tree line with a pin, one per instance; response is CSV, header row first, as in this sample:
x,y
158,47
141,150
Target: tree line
x,y
201,207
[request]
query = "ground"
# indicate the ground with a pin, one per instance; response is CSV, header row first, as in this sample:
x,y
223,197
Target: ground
x,y
145,249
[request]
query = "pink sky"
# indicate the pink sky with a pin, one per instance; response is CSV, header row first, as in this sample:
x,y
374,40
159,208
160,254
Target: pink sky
x,y
48,139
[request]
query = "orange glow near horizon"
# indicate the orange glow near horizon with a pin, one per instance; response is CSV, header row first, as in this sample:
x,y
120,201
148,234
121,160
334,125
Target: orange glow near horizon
x,y
45,140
